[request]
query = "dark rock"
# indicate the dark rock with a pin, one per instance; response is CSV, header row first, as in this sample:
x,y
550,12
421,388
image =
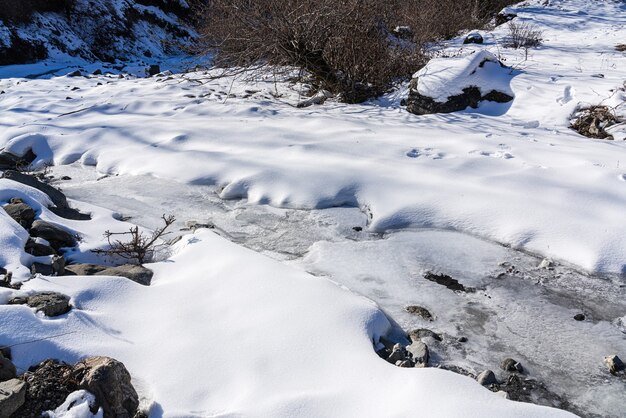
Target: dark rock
x,y
76,73
357,229
471,97
419,351
521,389
473,38
12,397
50,303
502,18
154,70
97,72
510,365
579,317
49,384
447,281
109,381
138,274
58,265
7,369
38,250
6,352
462,339
10,161
487,378
497,96
66,178
417,334
21,213
614,364
55,235
43,269
418,310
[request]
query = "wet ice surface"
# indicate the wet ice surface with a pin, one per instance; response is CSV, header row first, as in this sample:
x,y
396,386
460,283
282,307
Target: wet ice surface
x,y
517,310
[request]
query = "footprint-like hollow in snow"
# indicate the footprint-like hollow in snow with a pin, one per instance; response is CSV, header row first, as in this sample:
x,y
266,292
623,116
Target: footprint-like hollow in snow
x,y
622,177
568,96
498,154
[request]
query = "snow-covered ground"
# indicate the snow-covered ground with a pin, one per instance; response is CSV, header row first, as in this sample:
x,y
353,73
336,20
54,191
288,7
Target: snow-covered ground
x,y
260,337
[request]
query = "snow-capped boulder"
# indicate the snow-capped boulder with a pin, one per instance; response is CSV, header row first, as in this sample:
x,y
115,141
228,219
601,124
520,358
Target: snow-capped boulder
x,y
447,85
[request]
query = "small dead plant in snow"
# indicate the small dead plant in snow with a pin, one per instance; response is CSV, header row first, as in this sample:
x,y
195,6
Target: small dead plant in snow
x,y
523,35
140,247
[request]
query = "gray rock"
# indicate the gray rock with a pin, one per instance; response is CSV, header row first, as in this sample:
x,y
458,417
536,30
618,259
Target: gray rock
x,y
50,303
12,396
615,364
21,213
138,274
487,378
7,369
55,235
510,365
109,381
418,310
418,334
579,317
420,352
58,265
153,70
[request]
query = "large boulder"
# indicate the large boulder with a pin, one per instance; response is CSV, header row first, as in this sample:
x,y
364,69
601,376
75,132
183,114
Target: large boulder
x,y
12,396
49,384
55,235
138,274
448,85
110,382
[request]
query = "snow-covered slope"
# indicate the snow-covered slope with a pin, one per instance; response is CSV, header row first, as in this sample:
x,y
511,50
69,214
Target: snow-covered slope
x,y
113,31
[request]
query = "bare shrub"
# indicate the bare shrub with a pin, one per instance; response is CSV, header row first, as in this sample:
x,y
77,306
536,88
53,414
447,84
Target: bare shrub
x,y
592,121
139,247
523,35
354,48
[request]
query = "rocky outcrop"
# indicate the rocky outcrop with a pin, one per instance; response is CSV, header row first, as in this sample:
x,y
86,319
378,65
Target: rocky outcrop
x,y
55,235
49,303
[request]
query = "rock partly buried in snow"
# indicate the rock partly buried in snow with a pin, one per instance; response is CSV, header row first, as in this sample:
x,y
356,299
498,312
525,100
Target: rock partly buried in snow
x,y
487,378
418,310
138,274
7,369
55,235
473,38
39,247
417,334
12,396
615,364
49,303
110,382
61,207
20,212
447,85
